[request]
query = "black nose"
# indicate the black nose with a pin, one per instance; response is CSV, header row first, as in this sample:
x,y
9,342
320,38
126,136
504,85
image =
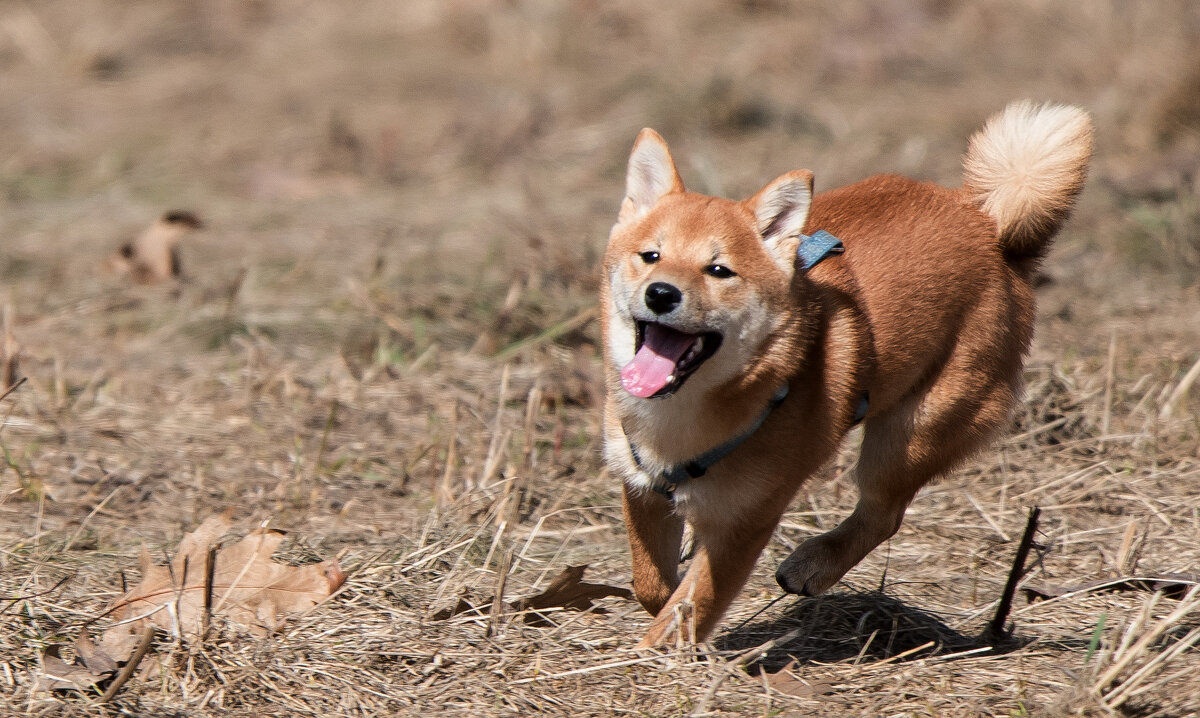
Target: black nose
x,y
662,297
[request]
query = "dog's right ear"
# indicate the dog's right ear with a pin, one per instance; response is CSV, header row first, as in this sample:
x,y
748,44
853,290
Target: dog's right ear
x,y
650,176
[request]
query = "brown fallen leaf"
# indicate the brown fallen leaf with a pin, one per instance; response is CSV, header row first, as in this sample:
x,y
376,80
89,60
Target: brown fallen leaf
x,y
247,587
154,257
93,657
786,681
568,590
92,668
58,675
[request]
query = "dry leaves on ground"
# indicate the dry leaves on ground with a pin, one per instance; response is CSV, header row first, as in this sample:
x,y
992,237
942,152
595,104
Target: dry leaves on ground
x,y
788,681
568,590
91,666
246,587
240,583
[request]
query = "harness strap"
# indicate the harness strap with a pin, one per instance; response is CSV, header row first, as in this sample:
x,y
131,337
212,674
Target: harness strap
x,y
670,478
810,252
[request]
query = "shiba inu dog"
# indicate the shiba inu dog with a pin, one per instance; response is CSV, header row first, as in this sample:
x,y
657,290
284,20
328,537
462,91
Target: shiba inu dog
x,y
743,340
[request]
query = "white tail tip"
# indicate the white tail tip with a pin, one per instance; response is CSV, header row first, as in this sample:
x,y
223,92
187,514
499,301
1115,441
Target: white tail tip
x,y
1026,167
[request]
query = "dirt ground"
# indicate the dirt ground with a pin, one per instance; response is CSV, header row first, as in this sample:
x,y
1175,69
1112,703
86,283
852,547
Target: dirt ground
x,y
383,342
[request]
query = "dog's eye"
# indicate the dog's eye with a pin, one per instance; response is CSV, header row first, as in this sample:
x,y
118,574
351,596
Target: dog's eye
x,y
720,271
649,257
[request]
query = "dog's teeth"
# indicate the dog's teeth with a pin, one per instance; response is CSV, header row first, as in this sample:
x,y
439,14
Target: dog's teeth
x,y
670,378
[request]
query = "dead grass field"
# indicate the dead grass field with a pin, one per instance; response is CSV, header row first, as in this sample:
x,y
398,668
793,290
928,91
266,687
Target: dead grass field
x,y
383,345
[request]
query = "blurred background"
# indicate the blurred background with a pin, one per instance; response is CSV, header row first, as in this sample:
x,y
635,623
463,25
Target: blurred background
x,y
441,136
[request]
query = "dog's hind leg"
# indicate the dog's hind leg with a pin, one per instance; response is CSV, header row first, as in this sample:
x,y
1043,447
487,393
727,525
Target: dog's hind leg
x,y
902,450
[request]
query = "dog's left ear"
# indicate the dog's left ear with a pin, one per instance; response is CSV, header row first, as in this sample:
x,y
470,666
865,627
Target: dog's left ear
x,y
781,209
650,176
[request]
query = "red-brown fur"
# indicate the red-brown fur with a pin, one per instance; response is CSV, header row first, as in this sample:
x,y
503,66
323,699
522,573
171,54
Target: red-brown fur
x,y
929,310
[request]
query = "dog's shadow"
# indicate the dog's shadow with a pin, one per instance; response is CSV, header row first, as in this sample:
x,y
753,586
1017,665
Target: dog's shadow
x,y
866,627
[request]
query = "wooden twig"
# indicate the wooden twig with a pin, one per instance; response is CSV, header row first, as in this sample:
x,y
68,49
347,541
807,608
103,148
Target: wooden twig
x,y
905,654
83,524
995,632
591,669
8,352
128,669
330,421
495,448
210,568
443,493
13,600
497,611
760,611
1109,377
12,388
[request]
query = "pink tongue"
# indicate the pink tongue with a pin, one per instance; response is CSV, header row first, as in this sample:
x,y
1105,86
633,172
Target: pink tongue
x,y
654,363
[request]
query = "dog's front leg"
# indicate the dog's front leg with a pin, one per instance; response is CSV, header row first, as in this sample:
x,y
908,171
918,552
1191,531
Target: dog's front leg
x,y
655,533
725,555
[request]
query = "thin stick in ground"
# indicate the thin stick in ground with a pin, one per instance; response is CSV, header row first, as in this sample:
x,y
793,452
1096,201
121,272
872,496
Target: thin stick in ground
x,y
995,632
128,669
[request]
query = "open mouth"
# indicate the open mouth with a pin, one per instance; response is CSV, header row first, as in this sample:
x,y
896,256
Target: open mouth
x,y
665,358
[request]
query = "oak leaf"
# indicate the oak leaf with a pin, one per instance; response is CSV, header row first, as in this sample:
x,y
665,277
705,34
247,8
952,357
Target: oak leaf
x,y
246,587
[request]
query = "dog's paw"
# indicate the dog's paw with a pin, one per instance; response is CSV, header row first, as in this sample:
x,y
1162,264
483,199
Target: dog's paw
x,y
812,568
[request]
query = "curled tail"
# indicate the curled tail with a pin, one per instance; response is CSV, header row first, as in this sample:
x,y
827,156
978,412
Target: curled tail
x,y
1025,168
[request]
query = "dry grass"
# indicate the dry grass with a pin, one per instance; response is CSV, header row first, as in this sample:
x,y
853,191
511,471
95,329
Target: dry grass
x,y
383,344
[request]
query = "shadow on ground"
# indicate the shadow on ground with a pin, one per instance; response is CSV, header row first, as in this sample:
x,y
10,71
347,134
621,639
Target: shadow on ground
x,y
862,627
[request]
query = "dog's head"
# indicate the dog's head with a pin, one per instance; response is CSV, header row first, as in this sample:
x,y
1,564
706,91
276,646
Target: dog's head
x,y
695,286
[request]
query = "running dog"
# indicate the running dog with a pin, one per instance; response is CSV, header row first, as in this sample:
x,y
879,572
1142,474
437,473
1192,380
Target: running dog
x,y
743,340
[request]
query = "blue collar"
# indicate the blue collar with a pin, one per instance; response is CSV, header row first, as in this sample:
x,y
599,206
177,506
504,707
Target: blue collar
x,y
670,479
817,247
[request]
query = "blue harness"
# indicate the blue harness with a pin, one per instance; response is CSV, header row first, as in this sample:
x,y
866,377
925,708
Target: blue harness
x,y
817,247
809,254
